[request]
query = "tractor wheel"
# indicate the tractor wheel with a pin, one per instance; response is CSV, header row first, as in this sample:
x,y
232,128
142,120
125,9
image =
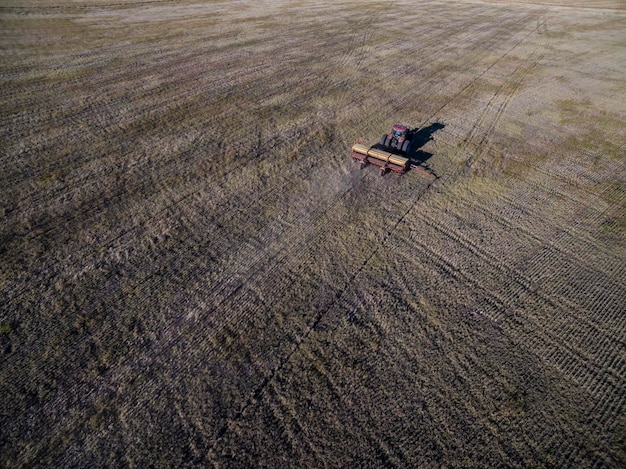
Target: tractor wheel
x,y
383,139
405,146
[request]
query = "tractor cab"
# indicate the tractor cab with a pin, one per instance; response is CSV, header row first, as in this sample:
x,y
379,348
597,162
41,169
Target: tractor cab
x,y
399,139
399,132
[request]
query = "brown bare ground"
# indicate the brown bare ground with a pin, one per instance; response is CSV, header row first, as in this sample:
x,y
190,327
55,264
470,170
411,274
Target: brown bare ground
x,y
194,273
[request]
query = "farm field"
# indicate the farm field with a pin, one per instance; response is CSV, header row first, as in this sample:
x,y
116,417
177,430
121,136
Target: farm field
x,y
193,271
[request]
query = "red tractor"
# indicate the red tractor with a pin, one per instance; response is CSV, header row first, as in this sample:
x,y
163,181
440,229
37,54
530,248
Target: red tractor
x,y
399,139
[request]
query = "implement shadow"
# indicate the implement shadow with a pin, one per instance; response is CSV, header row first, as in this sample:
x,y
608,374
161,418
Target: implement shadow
x,y
420,138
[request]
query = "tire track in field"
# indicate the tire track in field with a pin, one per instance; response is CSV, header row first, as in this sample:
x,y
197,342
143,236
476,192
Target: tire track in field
x,y
485,44
274,189
579,361
491,38
364,36
168,209
300,437
383,448
170,77
551,253
263,267
144,110
127,232
574,361
296,346
518,75
189,239
84,6
450,269
258,392
595,378
171,336
170,206
500,100
483,37
573,353
551,173
300,338
236,292
110,92
97,209
553,243
232,80
556,245
263,152
524,281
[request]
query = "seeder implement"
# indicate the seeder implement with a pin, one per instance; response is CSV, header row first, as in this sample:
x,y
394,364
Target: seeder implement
x,y
392,153
398,151
383,159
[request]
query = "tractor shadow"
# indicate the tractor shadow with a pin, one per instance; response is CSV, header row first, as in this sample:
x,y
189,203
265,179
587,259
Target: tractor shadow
x,y
420,138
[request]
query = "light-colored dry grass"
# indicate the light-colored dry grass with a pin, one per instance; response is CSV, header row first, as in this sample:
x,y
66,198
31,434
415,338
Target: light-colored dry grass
x,y
194,272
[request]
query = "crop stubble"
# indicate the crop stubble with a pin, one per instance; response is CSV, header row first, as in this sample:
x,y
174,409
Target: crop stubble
x,y
193,271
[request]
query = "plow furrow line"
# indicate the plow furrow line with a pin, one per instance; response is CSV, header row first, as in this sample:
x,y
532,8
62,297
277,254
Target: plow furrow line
x,y
482,36
261,154
106,103
573,363
553,245
611,315
160,110
610,295
303,236
568,308
473,132
301,435
608,409
500,100
443,263
521,282
490,259
568,359
546,184
258,392
128,156
601,346
610,413
149,108
484,41
171,335
150,60
518,281
585,373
